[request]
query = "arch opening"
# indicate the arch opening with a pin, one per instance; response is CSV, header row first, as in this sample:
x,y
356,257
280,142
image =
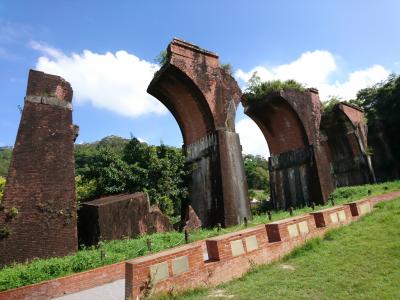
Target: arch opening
x,y
185,101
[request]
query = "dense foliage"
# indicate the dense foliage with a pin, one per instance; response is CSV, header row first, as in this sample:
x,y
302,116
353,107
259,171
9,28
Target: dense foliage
x,y
5,158
381,103
256,168
257,89
85,259
115,165
257,175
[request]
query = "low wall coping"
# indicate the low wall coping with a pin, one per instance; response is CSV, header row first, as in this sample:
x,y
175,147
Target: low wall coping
x,y
290,220
237,233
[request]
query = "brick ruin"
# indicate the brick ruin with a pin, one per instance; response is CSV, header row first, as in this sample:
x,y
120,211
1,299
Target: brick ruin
x,y
299,167
119,216
38,215
203,98
311,154
345,131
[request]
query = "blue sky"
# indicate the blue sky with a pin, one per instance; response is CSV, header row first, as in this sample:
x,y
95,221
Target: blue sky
x,y
106,49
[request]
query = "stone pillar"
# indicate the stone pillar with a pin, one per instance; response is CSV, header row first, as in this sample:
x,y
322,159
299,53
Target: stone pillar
x,y
218,187
233,179
38,213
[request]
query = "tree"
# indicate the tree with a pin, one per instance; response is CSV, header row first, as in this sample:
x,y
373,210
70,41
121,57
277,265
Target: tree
x,y
106,168
256,169
381,103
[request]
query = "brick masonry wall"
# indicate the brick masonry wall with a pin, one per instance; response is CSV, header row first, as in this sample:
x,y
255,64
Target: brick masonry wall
x,y
67,285
209,262
39,207
97,219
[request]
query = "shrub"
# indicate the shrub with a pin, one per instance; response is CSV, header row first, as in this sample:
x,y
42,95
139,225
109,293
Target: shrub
x,y
2,184
227,68
256,89
162,58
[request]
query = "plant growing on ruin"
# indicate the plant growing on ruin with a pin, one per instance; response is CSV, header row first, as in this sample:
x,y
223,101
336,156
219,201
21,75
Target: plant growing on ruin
x,y
369,151
11,213
258,89
2,184
4,233
227,68
161,58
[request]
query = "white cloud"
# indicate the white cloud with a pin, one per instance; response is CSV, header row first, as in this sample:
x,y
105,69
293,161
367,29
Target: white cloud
x,y
46,49
356,81
251,138
113,81
314,69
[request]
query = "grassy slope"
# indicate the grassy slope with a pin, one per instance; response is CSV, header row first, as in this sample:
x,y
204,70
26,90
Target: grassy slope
x,y
86,259
359,261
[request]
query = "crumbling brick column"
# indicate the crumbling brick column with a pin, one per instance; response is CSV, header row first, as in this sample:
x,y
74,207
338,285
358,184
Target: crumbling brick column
x,y
38,211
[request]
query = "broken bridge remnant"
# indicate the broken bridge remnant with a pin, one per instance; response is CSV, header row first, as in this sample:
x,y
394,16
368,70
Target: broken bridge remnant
x,y
39,206
312,152
203,98
345,131
299,167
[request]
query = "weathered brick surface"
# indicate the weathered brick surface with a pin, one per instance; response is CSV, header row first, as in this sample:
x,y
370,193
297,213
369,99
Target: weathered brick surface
x,y
203,98
299,169
205,266
40,182
191,220
345,129
119,216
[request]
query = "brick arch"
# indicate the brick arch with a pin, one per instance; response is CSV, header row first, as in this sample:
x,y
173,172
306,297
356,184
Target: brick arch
x,y
280,124
298,165
184,100
203,98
